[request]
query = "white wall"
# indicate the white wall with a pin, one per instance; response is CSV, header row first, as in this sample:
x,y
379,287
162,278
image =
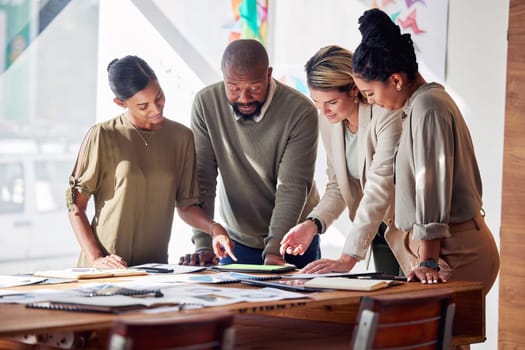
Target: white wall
x,y
476,77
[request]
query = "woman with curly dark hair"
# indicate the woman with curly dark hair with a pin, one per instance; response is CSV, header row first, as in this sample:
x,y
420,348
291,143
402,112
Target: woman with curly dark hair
x,y
438,187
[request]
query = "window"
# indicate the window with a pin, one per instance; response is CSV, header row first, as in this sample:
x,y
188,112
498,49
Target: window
x,y
12,188
50,182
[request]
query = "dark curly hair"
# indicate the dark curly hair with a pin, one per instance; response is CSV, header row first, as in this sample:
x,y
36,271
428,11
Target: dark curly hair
x,y
129,75
383,49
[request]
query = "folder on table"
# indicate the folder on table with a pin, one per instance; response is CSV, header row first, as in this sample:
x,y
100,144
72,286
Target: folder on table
x,y
349,283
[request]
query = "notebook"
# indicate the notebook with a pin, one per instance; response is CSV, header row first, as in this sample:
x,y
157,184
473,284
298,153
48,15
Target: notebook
x,y
252,268
359,284
89,272
223,277
105,304
108,290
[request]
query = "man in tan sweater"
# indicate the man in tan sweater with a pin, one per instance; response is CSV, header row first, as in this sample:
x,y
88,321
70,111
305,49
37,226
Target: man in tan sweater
x,y
261,137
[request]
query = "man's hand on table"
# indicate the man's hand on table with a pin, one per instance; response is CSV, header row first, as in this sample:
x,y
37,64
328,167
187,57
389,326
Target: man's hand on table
x,y
273,259
202,258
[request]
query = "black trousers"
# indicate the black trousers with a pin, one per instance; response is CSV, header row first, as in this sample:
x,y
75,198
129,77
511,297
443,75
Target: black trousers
x,y
384,259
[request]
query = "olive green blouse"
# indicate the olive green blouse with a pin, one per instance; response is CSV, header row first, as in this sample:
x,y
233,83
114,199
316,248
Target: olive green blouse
x,y
136,178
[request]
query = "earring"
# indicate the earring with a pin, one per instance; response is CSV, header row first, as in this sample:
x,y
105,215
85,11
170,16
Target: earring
x,y
398,87
356,99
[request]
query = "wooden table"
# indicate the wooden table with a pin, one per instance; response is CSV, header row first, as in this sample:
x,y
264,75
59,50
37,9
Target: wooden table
x,y
265,324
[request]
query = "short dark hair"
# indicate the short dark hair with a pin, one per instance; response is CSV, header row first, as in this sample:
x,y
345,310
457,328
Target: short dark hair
x,y
129,75
383,49
244,55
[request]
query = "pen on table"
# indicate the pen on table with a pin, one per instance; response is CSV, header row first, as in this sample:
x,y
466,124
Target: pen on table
x,y
157,293
384,277
13,296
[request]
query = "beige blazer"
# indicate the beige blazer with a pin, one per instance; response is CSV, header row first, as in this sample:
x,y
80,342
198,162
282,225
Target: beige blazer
x,y
370,199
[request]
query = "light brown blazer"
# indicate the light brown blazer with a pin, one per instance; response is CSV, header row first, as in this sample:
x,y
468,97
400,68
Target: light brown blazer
x,y
369,199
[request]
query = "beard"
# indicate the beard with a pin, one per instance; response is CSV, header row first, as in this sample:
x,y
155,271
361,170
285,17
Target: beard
x,y
257,110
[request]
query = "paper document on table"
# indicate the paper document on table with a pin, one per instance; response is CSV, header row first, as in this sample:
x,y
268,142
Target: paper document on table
x,y
203,294
13,281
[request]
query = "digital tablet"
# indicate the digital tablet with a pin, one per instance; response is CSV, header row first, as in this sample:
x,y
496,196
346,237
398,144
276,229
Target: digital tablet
x,y
295,285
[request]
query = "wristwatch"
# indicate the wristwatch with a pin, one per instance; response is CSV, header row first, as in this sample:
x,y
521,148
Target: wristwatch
x,y
317,223
430,263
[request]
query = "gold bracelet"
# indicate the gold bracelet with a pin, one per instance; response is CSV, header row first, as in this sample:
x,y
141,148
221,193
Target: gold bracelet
x,y
210,230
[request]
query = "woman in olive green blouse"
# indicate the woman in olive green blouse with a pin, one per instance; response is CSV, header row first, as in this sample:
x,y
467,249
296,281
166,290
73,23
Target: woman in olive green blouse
x,y
138,167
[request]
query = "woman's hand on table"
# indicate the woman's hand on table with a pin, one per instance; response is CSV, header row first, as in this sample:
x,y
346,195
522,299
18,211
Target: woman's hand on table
x,y
425,275
344,264
111,261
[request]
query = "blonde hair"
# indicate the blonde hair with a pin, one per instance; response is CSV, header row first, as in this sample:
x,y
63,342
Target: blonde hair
x,y
330,68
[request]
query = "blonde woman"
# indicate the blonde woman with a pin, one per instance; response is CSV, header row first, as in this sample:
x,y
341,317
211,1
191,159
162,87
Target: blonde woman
x,y
360,140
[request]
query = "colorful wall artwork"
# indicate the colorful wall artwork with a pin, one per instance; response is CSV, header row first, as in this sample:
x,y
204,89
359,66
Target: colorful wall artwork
x,y
426,21
251,20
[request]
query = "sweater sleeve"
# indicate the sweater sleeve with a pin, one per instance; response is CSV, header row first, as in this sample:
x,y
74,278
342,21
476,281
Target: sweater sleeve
x,y
188,188
295,174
